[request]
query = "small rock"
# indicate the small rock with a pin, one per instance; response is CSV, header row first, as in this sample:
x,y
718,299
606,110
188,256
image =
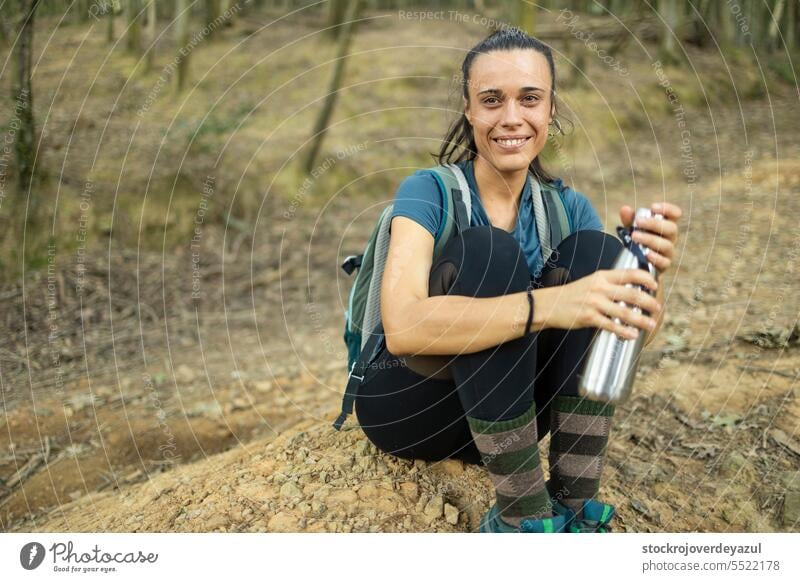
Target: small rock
x,y
434,508
450,514
290,491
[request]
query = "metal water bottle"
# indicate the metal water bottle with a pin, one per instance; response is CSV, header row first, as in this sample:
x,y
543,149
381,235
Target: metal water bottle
x,y
610,368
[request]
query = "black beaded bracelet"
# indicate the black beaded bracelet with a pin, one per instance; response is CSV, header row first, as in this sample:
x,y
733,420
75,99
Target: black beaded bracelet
x,y
530,308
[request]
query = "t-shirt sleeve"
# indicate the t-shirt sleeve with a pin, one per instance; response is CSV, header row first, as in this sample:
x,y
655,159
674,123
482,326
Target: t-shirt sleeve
x,y
584,216
418,198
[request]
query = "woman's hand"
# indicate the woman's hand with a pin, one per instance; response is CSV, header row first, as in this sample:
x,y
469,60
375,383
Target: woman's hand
x,y
660,241
593,301
663,235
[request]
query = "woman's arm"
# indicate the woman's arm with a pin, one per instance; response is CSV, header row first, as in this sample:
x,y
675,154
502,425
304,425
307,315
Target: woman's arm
x,y
446,324
416,324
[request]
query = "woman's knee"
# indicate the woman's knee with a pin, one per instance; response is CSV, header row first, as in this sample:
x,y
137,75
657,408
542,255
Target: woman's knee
x,y
584,252
482,261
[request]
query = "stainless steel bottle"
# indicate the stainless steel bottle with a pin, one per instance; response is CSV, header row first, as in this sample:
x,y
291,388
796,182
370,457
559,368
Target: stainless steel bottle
x,y
610,368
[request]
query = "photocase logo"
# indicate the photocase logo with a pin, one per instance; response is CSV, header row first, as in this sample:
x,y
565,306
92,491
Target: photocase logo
x,y
31,555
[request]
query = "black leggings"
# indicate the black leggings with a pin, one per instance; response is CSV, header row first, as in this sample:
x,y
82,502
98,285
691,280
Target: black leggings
x,y
416,415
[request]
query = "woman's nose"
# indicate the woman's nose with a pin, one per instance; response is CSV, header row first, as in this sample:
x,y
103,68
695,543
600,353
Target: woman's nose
x,y
511,113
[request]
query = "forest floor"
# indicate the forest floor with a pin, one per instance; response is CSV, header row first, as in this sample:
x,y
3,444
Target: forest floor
x,y
151,394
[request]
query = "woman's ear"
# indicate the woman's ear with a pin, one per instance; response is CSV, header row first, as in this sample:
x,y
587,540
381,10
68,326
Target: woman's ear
x,y
467,112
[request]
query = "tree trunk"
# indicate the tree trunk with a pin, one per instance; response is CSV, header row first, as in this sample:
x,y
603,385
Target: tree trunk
x,y
212,14
774,23
320,127
723,22
790,30
336,15
110,23
151,35
671,15
182,40
133,39
22,94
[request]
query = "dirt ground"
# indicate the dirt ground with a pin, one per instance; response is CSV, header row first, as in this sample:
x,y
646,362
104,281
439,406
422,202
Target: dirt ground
x,y
708,442
132,405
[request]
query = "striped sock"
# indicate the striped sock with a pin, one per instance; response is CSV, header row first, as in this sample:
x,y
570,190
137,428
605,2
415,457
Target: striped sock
x,y
510,451
579,435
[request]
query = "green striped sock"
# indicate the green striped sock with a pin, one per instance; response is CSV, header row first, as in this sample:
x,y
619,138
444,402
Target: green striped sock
x,y
510,451
579,437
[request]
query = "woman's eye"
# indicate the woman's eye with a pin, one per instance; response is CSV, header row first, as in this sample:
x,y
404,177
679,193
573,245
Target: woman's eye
x,y
531,99
491,100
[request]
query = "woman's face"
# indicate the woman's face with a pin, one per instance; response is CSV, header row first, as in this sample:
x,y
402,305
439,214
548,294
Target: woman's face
x,y
510,106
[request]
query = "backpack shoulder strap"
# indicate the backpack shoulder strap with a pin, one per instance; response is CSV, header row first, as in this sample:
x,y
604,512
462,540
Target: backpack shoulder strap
x,y
555,200
456,203
552,219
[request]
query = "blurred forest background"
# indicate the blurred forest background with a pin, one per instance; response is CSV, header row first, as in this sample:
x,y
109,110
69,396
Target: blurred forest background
x,y
180,179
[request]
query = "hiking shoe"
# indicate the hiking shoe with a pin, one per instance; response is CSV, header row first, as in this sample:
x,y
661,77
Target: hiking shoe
x,y
564,511
595,518
491,523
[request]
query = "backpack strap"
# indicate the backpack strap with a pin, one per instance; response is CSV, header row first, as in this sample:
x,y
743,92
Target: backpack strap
x,y
456,203
557,215
369,352
552,220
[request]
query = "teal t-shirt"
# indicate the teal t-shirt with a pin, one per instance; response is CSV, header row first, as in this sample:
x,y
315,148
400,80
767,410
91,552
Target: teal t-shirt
x,y
418,198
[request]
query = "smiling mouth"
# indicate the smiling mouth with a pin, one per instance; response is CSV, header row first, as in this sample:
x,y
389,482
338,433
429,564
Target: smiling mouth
x,y
511,144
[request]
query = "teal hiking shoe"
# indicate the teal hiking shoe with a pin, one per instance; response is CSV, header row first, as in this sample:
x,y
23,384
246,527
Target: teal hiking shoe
x,y
491,523
565,512
595,518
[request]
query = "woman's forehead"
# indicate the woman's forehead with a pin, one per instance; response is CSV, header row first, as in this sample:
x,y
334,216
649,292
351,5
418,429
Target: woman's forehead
x,y
509,71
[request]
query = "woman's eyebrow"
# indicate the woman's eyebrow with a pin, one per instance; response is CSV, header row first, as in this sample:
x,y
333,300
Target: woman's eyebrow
x,y
494,91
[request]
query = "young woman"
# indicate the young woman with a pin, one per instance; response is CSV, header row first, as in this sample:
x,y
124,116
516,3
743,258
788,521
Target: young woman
x,y
484,347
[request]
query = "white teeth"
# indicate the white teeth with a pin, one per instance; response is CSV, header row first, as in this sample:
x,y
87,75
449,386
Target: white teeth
x,y
511,142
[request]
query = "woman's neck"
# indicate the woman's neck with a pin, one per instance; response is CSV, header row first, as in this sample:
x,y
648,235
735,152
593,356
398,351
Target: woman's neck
x,y
495,186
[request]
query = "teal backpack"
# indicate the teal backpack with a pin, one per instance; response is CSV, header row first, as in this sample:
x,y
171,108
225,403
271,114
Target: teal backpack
x,y
363,331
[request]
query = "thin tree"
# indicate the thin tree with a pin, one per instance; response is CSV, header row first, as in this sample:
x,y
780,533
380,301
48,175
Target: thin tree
x,y
151,35
671,15
133,39
211,18
182,40
22,94
774,23
336,16
110,9
321,126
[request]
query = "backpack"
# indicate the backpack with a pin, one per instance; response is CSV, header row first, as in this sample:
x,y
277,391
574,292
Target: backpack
x,y
553,224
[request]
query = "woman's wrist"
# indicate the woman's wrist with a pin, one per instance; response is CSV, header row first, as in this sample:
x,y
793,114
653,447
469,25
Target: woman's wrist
x,y
541,308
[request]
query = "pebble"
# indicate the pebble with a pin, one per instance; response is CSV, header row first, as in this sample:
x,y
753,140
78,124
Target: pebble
x,y
290,491
450,514
434,508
